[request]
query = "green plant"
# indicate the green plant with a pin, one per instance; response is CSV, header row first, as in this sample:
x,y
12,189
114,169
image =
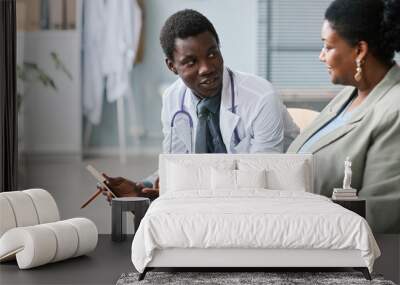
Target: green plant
x,y
31,72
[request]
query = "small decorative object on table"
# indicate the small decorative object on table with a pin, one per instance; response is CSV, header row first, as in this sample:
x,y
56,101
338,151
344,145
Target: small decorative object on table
x,y
347,192
347,196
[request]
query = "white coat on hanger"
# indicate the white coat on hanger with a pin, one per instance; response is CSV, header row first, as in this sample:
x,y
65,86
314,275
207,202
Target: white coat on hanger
x,y
93,78
111,36
122,19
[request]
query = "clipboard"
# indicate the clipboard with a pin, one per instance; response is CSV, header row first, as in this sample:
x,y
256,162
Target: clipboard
x,y
101,179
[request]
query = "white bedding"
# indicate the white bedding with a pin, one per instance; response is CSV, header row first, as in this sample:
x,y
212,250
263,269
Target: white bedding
x,y
251,218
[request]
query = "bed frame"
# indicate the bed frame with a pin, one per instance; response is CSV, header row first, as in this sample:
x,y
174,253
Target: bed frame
x,y
242,258
256,258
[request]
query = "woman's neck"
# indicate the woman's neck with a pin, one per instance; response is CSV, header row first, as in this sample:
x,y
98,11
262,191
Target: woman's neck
x,y
373,73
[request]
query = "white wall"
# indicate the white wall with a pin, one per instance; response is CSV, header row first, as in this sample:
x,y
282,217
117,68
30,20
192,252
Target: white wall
x,y
52,119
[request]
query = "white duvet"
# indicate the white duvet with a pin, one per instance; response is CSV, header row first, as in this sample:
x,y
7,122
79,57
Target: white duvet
x,y
250,218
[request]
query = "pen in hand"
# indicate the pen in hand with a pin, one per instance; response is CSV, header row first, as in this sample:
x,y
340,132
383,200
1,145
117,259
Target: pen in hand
x,y
99,190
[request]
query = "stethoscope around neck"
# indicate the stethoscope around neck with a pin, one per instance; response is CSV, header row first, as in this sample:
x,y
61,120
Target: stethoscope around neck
x,y
182,111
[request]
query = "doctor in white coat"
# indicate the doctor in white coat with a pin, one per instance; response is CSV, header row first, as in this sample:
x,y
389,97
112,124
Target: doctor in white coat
x,y
244,114
259,122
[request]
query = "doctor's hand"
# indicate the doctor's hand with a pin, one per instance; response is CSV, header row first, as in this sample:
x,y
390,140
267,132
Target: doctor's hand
x,y
123,187
152,193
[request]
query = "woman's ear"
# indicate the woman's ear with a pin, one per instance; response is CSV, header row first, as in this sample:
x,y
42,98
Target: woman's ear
x,y
362,50
171,66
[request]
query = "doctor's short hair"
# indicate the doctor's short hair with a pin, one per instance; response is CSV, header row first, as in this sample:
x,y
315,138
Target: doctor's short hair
x,y
376,22
181,25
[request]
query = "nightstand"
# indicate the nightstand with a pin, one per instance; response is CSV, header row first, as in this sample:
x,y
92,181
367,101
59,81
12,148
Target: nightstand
x,y
137,205
357,206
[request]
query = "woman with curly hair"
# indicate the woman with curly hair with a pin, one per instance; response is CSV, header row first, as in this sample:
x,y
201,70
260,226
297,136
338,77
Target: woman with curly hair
x,y
360,38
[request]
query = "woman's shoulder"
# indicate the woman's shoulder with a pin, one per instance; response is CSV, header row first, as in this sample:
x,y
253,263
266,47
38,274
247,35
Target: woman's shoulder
x,y
390,102
385,113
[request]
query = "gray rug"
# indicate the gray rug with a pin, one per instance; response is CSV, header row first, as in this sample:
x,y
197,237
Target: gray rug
x,y
270,278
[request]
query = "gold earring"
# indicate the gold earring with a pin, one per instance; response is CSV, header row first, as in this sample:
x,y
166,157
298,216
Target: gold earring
x,y
358,74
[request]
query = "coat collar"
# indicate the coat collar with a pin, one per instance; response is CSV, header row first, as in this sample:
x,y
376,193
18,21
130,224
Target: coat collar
x,y
380,90
391,78
227,119
182,129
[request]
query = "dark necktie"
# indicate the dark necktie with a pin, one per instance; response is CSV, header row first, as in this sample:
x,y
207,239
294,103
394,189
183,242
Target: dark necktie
x,y
202,131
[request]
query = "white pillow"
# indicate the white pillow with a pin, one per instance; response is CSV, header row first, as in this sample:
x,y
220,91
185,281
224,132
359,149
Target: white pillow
x,y
282,174
293,179
236,179
223,179
186,175
251,178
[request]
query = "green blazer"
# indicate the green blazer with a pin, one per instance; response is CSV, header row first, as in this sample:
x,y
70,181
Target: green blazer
x,y
371,139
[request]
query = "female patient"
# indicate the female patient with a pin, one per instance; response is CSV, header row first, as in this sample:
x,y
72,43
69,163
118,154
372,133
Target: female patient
x,y
360,38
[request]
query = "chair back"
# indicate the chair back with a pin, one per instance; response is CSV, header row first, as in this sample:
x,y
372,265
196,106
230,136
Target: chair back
x,y
302,117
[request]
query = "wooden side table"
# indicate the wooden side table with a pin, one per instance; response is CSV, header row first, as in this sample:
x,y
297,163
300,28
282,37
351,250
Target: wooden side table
x,y
138,205
357,206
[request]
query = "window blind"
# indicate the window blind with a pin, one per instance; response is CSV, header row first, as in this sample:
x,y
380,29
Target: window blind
x,y
289,43
288,47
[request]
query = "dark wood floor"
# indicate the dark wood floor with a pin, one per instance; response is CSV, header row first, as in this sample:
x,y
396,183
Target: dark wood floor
x,y
102,266
110,259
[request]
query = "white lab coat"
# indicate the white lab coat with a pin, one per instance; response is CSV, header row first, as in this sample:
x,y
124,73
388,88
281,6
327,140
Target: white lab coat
x,y
111,34
261,119
93,76
121,40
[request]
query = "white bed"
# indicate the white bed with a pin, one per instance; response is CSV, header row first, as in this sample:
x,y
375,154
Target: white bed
x,y
247,211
